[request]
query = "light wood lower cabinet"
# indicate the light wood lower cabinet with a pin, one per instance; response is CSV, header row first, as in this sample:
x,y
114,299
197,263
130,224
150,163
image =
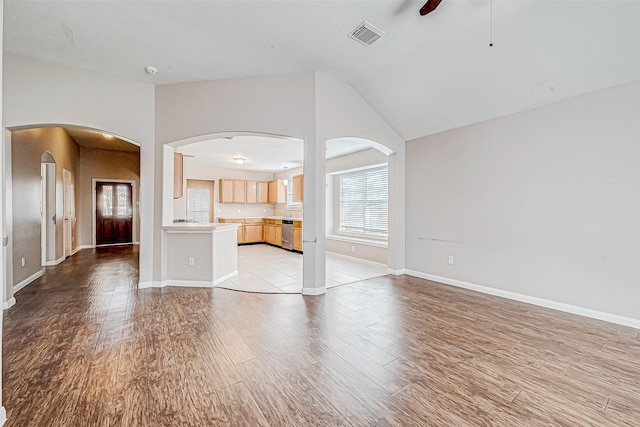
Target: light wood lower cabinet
x,y
297,235
254,230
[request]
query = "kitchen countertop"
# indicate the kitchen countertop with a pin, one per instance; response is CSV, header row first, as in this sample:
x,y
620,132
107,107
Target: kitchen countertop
x,y
263,217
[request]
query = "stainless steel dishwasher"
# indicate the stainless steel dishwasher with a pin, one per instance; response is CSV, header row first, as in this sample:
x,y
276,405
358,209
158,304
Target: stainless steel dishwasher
x,y
287,234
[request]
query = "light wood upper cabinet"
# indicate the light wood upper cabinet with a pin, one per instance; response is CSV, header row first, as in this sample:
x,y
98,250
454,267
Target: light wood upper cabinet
x,y
277,192
263,192
298,188
178,176
226,191
239,191
252,191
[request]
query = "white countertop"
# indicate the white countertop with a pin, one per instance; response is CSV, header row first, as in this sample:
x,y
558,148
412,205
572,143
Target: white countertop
x,y
262,217
198,226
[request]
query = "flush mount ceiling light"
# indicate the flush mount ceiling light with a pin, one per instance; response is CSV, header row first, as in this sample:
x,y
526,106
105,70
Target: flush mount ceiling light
x,y
239,160
106,135
151,70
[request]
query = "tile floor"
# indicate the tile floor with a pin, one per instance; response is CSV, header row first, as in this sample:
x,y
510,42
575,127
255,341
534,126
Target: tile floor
x,y
267,269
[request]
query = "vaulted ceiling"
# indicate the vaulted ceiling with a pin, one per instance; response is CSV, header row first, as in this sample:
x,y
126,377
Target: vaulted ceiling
x,y
425,75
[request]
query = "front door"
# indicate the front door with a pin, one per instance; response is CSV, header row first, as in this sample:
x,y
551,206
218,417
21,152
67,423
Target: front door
x,y
114,213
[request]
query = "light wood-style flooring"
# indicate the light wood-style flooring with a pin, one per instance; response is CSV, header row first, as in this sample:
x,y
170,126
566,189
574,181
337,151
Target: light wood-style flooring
x,y
84,347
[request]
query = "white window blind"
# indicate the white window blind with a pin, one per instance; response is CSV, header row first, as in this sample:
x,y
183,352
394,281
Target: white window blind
x,y
198,204
364,202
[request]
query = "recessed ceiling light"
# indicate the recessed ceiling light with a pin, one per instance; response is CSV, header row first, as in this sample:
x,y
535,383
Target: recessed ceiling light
x,y
151,70
239,160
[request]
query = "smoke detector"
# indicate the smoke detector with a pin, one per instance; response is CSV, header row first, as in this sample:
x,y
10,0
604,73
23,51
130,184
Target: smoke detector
x,y
366,33
151,70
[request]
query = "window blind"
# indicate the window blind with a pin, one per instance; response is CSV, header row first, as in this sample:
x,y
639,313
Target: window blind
x,y
198,204
364,202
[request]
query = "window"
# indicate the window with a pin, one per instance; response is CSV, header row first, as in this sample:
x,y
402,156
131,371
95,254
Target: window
x,y
364,202
198,204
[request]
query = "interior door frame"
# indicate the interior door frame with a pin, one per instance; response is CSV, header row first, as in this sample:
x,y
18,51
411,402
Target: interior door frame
x,y
67,225
134,204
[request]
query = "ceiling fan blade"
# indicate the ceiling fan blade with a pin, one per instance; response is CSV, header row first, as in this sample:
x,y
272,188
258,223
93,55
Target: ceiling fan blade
x,y
429,7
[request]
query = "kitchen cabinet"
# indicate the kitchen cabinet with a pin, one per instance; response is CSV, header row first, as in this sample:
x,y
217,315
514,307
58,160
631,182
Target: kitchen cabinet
x,y
252,230
178,175
263,192
277,192
239,191
298,188
278,227
297,235
226,191
252,191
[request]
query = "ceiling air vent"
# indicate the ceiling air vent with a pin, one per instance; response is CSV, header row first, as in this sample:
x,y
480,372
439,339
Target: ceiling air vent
x,y
366,33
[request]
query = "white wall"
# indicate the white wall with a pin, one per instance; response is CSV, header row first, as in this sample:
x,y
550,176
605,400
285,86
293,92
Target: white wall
x,y
272,105
342,112
39,92
544,203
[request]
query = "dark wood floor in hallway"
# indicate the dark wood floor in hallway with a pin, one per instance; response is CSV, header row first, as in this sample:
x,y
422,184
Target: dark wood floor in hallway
x,y
84,347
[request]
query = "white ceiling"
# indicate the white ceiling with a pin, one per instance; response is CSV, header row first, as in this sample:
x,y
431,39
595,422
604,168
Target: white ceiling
x,y
262,154
426,75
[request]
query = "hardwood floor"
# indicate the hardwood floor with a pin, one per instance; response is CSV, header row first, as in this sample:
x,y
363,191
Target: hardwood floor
x,y
84,347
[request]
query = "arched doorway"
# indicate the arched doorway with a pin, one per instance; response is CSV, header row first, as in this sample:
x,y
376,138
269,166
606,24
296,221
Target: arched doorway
x,y
251,179
357,210
53,199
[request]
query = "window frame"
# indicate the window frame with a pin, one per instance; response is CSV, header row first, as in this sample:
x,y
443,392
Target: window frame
x,y
365,235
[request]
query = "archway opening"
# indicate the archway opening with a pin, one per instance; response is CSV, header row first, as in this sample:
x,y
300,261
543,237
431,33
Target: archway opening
x,y
251,179
357,210
50,173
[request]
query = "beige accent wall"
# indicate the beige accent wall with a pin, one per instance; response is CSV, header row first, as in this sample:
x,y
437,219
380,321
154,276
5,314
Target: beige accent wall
x,y
544,203
105,165
27,147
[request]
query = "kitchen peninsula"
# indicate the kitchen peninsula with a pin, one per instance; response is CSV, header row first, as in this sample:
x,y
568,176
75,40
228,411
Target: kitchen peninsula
x,y
199,255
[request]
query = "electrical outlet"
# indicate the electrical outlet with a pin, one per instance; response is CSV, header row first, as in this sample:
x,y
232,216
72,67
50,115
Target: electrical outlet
x,y
353,248
192,261
23,261
451,259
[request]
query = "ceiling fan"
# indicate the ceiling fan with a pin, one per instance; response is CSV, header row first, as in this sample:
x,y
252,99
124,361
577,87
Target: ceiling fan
x,y
429,7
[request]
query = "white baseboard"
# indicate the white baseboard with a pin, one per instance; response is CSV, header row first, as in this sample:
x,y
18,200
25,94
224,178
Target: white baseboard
x,y
56,262
26,281
314,291
8,304
555,305
79,248
225,277
151,284
353,258
3,416
189,283
399,272
185,283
